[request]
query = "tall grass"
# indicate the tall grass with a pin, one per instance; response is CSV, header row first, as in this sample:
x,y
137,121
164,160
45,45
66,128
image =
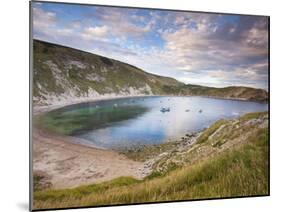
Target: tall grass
x,y
237,172
205,135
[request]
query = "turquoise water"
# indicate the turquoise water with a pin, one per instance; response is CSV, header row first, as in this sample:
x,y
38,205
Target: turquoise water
x,y
127,122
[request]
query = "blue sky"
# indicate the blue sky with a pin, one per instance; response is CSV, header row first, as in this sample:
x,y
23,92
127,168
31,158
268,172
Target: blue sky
x,y
194,48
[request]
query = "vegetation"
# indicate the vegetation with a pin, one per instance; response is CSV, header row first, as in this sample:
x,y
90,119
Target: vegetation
x,y
249,116
64,72
219,137
236,167
37,179
59,70
143,153
208,132
231,92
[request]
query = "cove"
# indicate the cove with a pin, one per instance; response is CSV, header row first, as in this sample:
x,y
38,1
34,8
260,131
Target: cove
x,y
129,122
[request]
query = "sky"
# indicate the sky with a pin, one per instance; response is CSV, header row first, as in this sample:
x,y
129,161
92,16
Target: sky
x,y
195,48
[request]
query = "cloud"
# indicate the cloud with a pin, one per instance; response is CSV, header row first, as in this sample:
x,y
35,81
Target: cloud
x,y
219,49
45,26
91,33
200,48
121,22
42,20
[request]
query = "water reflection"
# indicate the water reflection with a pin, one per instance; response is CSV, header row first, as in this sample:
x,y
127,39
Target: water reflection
x,y
134,121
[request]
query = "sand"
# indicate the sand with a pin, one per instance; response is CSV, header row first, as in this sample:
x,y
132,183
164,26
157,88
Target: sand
x,y
69,164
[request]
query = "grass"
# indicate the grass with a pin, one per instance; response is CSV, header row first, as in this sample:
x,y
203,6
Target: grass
x,y
144,153
254,115
206,134
83,191
36,181
242,171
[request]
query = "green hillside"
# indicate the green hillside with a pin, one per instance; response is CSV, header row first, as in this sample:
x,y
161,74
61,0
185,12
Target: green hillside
x,y
65,72
62,74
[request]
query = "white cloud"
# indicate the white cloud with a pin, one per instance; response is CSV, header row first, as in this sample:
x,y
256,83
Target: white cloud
x,y
42,19
196,48
91,33
64,32
121,22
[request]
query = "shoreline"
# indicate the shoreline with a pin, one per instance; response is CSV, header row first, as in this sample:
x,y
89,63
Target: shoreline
x,y
54,154
66,162
41,109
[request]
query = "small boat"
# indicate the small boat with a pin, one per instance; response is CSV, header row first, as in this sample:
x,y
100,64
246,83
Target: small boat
x,y
115,105
200,111
163,109
187,110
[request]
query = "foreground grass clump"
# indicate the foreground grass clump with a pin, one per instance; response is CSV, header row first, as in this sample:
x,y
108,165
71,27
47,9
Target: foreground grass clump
x,y
254,115
144,153
83,191
241,171
205,135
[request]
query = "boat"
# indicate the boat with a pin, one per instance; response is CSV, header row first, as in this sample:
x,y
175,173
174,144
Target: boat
x,y
163,109
200,111
187,110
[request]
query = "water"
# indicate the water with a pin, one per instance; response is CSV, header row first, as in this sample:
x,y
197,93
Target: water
x,y
124,123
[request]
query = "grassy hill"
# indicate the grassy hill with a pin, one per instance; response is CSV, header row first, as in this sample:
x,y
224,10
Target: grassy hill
x,y
223,162
231,92
63,74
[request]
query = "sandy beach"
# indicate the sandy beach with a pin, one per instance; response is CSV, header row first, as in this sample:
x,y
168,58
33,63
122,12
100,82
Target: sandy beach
x,y
66,163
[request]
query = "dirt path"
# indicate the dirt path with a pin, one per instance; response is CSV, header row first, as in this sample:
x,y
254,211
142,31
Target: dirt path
x,y
68,164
